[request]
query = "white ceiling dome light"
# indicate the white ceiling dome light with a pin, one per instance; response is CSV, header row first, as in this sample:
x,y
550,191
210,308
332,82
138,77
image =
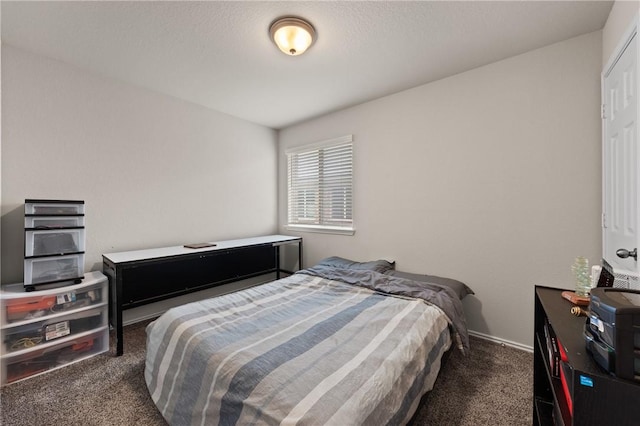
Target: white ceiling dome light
x,y
292,35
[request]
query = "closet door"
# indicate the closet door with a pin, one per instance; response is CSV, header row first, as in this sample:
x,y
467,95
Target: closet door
x,y
621,160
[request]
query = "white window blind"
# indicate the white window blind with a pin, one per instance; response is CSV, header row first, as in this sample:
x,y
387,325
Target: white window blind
x,y
320,185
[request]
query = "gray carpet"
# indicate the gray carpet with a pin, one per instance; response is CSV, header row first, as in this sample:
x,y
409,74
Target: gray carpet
x,y
493,385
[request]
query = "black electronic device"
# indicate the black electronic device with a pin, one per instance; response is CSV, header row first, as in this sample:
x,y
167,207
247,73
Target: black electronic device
x,y
612,331
606,277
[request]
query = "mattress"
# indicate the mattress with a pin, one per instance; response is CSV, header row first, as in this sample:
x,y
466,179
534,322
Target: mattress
x,y
304,350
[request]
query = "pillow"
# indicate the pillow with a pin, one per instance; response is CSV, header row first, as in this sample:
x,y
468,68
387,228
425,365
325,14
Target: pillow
x,y
381,266
461,289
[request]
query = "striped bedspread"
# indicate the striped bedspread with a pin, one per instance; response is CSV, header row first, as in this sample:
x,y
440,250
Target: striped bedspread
x,y
301,350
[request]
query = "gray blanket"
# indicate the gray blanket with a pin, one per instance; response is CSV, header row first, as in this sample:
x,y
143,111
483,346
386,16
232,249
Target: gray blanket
x,y
441,296
302,350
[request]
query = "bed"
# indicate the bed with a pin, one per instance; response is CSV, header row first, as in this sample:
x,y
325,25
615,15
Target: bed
x,y
341,343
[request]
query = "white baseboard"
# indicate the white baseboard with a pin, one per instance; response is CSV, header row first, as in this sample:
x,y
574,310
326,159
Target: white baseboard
x,y
504,342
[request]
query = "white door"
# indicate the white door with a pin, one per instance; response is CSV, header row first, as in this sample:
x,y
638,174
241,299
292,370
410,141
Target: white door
x,y
620,165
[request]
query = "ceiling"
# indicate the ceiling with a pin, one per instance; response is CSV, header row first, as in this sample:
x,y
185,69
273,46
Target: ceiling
x,y
219,55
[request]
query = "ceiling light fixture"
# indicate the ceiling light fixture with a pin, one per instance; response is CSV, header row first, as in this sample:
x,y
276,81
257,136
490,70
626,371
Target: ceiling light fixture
x,y
292,35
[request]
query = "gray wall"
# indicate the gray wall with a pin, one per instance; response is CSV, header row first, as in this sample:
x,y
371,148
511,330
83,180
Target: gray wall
x,y
154,171
620,18
491,177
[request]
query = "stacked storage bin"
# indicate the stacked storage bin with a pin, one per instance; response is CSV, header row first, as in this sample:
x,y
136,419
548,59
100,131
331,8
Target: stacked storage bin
x,y
54,242
45,330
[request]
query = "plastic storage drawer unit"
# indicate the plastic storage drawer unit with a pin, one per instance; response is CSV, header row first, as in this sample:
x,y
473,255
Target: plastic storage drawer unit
x,y
48,329
53,228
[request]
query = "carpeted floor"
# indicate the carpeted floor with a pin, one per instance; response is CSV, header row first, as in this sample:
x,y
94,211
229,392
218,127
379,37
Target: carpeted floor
x,y
493,385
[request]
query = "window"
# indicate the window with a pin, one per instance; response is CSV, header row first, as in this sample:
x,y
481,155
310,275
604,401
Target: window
x,y
320,186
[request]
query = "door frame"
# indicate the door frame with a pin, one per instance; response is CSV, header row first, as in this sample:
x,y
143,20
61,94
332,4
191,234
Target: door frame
x,y
625,40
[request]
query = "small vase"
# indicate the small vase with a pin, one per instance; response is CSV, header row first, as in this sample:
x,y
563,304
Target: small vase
x,y
582,276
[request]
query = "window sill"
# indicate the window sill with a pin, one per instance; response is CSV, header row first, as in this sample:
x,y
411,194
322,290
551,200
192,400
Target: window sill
x,y
321,229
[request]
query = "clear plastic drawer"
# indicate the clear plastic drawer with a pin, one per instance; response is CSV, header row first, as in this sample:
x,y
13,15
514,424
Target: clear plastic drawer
x,y
51,269
47,357
25,309
22,307
27,336
53,242
53,222
53,208
29,307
